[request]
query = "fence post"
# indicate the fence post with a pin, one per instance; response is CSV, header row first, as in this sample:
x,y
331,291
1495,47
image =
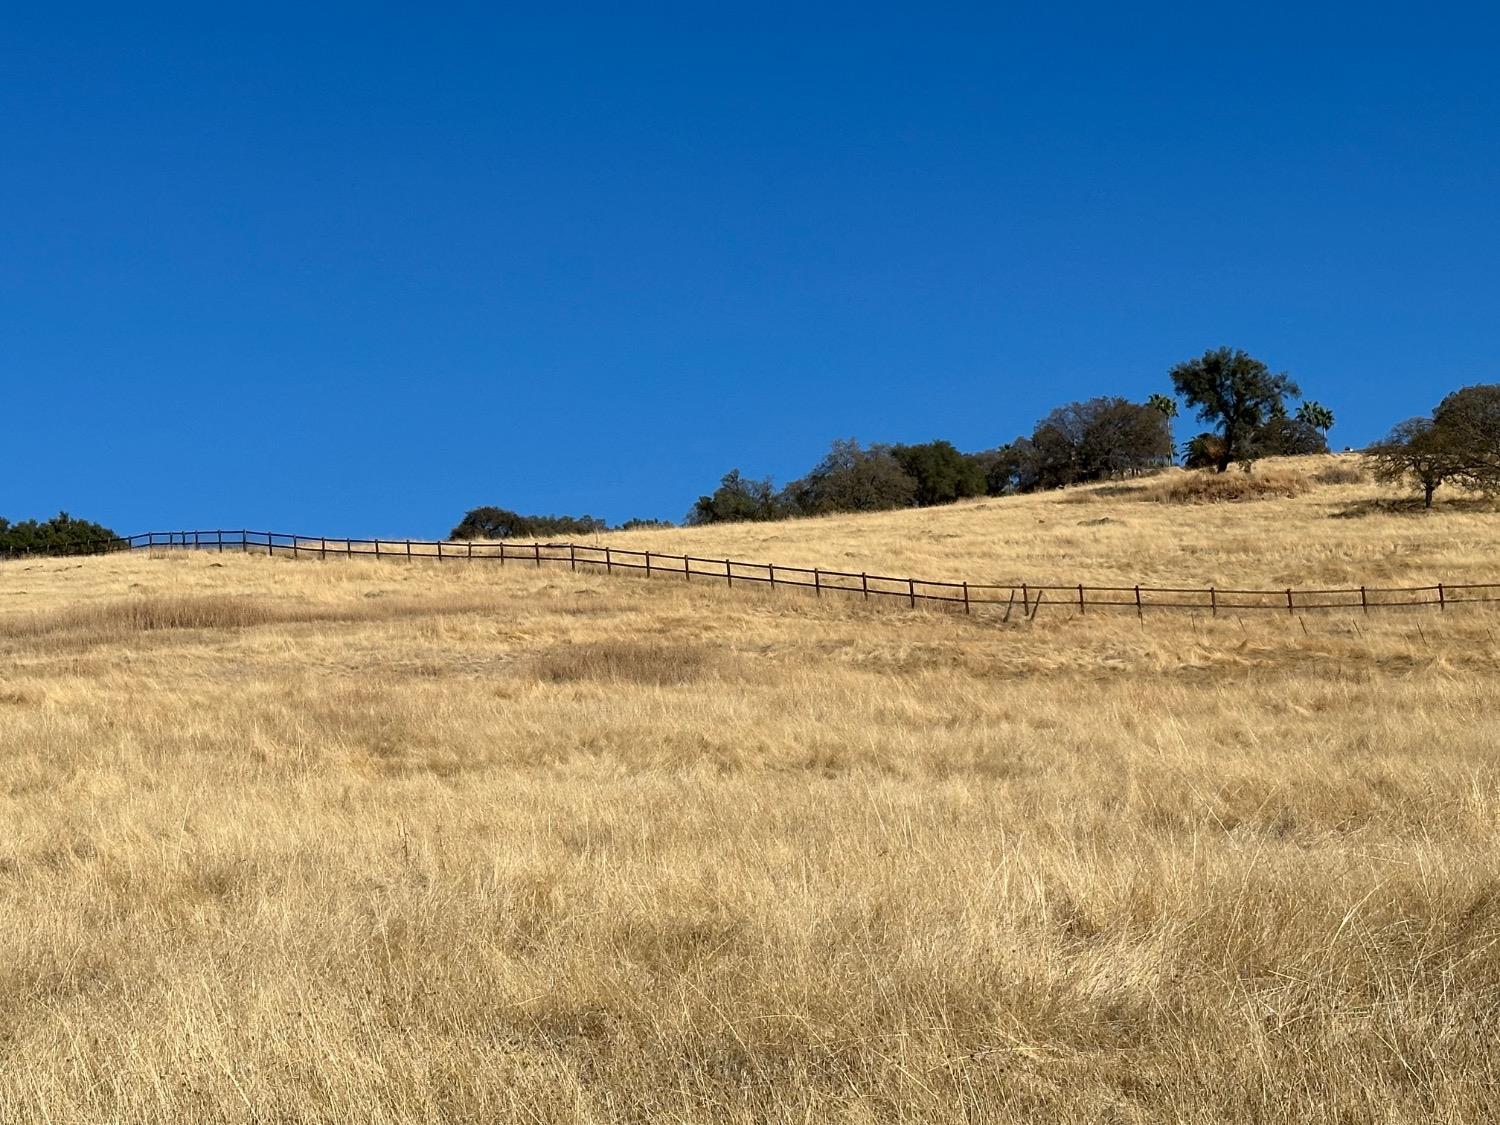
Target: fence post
x,y
470,554
1442,598
220,534
966,597
1213,601
408,550
1140,610
572,556
728,572
771,571
911,592
195,547
1289,601
1025,599
817,583
377,548
864,585
609,562
1080,599
323,548
687,568
648,564
536,549
440,550
1364,602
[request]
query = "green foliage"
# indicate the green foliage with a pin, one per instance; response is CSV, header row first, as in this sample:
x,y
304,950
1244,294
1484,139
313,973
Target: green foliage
x,y
62,534
501,523
737,499
636,523
1237,392
1166,404
851,479
1316,415
1203,451
942,474
1284,436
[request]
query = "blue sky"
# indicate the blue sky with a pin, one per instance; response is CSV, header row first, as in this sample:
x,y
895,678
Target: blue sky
x,y
355,270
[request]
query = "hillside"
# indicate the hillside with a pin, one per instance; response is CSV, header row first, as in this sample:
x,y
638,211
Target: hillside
x,y
1344,534
331,841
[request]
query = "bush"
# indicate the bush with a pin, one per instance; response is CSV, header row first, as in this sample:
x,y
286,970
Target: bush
x,y
62,534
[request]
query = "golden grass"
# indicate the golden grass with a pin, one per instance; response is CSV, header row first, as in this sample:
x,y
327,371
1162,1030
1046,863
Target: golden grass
x,y
347,841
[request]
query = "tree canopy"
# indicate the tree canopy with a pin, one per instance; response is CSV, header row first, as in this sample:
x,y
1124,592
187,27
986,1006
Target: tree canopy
x,y
1236,392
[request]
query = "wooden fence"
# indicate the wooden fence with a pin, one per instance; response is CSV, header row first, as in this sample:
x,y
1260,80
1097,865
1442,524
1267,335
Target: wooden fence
x,y
964,597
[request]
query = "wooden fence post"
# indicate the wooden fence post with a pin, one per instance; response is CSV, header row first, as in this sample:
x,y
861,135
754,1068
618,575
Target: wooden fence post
x,y
817,583
1213,601
1289,601
864,585
1140,610
1025,599
1442,598
536,549
966,597
609,562
572,557
408,550
440,550
728,572
1364,602
1080,599
911,592
648,564
771,572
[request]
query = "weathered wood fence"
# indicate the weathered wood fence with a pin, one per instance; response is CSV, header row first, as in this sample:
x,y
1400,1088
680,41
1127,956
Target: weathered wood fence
x,y
964,597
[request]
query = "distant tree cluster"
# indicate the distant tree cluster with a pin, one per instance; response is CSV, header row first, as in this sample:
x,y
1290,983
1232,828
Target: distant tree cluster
x,y
1098,439
59,535
499,523
1460,442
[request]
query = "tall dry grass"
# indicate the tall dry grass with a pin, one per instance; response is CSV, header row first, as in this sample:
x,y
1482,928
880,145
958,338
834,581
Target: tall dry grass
x,y
346,841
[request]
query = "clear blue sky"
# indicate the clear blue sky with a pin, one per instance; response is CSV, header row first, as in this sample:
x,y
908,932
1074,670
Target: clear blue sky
x,y
355,270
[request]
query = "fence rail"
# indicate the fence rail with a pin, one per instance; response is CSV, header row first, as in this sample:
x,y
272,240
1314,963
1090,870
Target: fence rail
x,y
965,597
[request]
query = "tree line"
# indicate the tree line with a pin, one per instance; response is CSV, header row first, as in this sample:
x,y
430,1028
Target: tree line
x,y
1097,439
59,535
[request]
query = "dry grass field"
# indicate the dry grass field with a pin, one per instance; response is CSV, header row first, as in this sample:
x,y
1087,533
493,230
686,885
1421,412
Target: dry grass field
x,y
342,841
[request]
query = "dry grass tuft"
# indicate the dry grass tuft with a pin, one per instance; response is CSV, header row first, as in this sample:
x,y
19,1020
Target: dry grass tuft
x,y
1342,471
660,663
1204,486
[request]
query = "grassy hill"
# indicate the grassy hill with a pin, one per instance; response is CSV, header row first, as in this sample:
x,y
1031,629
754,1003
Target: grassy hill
x,y
332,841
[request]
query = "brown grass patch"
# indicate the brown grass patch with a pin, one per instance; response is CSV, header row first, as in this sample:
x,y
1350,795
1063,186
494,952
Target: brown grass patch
x,y
1204,486
654,663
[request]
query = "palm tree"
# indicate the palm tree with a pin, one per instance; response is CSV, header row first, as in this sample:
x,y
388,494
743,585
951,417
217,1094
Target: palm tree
x,y
1165,403
1316,415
